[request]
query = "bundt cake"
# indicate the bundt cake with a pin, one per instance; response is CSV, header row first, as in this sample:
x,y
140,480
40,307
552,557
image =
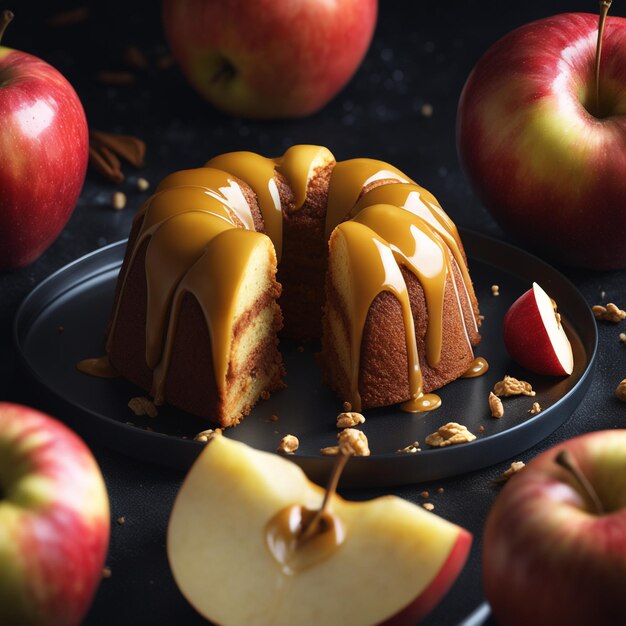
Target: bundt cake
x,y
222,257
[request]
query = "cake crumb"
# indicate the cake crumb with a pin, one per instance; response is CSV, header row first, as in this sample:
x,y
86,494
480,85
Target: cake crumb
x,y
440,489
510,386
481,429
120,521
142,184
207,435
349,419
353,442
450,434
106,572
495,290
610,313
495,405
429,506
119,200
425,494
142,406
347,406
288,444
412,448
515,467
329,451
620,391
536,408
622,337
265,395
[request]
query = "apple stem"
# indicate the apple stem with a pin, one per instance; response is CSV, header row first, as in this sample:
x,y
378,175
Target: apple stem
x,y
5,19
567,461
604,9
311,528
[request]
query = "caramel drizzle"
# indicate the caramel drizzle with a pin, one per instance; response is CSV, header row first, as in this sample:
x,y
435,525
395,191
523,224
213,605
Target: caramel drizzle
x,y
478,367
100,367
258,172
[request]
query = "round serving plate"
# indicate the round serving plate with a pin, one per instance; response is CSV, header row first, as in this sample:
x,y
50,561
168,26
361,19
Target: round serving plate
x,y
63,321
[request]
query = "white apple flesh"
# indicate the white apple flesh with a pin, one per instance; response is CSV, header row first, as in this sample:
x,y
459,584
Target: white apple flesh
x,y
534,336
54,521
548,557
543,158
394,564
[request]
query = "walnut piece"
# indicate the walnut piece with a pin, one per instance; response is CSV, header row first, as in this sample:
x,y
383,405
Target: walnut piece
x,y
510,386
349,419
620,392
353,442
610,313
207,435
495,405
330,451
536,408
142,406
450,434
288,444
411,448
515,467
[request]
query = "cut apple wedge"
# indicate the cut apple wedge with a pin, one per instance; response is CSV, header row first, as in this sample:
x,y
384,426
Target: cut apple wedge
x,y
534,335
384,561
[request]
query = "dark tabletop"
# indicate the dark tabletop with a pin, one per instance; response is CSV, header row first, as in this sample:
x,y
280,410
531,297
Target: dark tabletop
x,y
421,54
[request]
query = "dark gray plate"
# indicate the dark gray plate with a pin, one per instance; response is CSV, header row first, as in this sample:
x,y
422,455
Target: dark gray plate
x,y
78,298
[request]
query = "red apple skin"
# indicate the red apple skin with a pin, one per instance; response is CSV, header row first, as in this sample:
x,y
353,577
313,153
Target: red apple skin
x,y
44,144
549,172
54,521
527,340
439,586
291,58
547,559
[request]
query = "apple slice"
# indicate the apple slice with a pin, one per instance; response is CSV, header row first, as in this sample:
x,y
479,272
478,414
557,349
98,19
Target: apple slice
x,y
382,561
534,335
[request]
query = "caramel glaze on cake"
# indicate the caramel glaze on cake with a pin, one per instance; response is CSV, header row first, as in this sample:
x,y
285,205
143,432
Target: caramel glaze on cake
x,y
367,259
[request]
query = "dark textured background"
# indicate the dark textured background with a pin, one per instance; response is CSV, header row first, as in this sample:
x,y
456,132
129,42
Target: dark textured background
x,y
421,53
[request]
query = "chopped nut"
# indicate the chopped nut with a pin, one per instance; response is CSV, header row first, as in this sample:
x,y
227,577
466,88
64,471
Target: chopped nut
x,y
610,313
411,448
349,419
427,110
142,184
347,406
516,466
510,386
495,405
429,506
622,337
127,147
353,442
536,408
495,290
450,434
121,520
265,395
288,444
142,406
119,200
440,490
330,451
620,392
106,572
207,435
481,429
425,494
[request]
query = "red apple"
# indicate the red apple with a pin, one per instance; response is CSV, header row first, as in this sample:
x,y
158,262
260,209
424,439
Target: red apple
x,y
269,58
54,521
534,335
550,557
547,162
44,144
